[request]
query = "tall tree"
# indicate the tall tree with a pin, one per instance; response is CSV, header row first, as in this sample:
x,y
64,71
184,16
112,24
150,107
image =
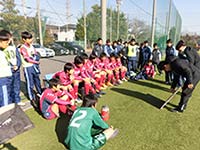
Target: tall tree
x,y
94,25
139,30
191,39
10,19
80,29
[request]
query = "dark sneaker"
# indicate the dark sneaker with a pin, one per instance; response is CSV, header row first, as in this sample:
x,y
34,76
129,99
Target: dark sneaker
x,y
102,93
177,109
98,95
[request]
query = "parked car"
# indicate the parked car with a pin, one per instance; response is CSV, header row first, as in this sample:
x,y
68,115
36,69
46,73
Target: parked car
x,y
50,52
43,51
59,50
73,47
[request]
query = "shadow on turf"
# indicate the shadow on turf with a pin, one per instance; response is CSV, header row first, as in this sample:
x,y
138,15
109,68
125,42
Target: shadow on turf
x,y
62,124
23,88
150,85
157,81
8,146
148,98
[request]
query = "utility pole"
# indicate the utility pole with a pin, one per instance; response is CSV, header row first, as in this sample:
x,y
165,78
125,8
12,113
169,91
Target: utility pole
x,y
111,24
169,18
103,20
68,14
85,26
127,27
118,13
24,8
39,22
153,25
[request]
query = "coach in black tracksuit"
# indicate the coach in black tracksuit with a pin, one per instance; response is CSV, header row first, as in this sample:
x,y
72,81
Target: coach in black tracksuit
x,y
185,69
188,53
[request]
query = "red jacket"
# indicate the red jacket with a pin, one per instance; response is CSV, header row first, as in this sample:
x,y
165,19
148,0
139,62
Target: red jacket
x,y
149,70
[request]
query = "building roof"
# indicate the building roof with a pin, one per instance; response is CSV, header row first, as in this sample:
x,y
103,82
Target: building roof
x,y
55,27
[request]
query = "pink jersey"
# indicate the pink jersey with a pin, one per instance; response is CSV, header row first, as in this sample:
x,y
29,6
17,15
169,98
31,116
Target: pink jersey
x,y
97,65
50,97
89,66
149,69
63,77
80,72
104,64
112,65
118,63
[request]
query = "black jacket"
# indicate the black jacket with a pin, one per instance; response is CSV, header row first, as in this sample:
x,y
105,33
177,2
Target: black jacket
x,y
170,51
146,53
191,55
185,69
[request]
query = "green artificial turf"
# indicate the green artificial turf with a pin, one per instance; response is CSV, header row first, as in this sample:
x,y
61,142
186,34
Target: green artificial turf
x,y
134,111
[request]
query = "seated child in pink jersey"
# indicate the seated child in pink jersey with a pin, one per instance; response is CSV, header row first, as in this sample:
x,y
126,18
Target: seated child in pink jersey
x,y
94,78
53,100
147,72
68,80
149,69
98,70
122,69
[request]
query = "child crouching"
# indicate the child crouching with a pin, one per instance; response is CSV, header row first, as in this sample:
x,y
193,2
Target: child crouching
x,y
85,120
147,72
53,100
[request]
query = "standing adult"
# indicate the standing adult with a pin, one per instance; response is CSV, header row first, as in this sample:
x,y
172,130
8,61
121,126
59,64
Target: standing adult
x,y
188,53
183,68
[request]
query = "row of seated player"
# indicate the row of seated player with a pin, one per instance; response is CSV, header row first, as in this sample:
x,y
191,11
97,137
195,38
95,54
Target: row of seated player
x,y
85,75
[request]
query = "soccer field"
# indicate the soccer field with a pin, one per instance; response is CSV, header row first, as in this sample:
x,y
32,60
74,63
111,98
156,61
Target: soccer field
x,y
134,110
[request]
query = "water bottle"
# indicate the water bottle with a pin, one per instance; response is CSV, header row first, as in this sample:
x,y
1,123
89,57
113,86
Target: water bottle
x,y
105,113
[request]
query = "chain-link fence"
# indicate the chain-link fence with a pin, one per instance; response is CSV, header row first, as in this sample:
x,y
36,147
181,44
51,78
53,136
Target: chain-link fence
x,y
168,20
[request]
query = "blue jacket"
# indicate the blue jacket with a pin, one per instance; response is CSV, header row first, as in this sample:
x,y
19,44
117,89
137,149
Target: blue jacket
x,y
19,62
108,50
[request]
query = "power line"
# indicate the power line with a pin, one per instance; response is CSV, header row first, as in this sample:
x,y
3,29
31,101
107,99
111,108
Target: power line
x,y
55,11
46,11
146,12
43,10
